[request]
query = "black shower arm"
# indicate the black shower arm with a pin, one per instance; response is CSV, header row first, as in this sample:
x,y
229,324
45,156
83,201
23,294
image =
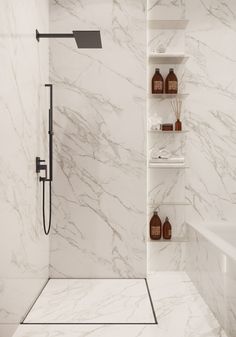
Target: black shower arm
x,y
53,35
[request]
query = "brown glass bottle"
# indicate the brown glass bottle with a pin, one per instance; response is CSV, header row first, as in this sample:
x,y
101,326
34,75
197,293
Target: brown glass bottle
x,y
157,83
178,125
171,83
155,227
167,230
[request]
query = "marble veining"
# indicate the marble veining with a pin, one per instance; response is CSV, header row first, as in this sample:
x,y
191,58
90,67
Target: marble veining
x,y
166,9
24,249
99,193
212,270
209,74
179,307
208,77
93,301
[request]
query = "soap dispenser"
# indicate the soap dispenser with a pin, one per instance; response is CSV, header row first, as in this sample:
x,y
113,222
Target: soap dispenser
x,y
171,83
155,227
157,83
167,230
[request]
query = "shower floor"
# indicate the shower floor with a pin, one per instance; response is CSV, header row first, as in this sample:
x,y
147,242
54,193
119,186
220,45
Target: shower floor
x,y
180,310
90,301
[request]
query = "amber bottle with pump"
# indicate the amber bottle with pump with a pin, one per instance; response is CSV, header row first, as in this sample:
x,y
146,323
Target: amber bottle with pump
x,y
171,83
155,227
167,230
157,83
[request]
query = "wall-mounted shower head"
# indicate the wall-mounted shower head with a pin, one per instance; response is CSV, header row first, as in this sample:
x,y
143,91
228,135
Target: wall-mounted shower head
x,y
88,38
83,38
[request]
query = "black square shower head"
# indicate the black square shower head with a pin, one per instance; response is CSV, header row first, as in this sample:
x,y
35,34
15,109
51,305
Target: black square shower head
x,y
88,38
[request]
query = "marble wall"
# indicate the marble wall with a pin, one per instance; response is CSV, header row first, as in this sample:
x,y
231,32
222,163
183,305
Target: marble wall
x,y
210,115
24,249
214,274
208,78
99,227
210,109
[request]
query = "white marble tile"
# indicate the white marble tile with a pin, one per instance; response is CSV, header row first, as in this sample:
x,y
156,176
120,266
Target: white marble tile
x,y
166,255
179,308
88,330
24,249
166,186
210,108
172,40
166,9
93,301
100,139
205,265
230,297
180,311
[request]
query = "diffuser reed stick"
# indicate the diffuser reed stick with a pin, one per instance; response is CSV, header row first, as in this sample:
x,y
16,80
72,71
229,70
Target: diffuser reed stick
x,y
177,109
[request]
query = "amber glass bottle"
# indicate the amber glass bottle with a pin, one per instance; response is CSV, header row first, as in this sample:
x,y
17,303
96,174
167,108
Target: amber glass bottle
x,y
155,227
167,230
157,83
171,83
178,125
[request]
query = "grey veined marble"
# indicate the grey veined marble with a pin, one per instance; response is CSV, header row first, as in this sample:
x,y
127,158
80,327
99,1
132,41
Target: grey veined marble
x,y
179,308
93,301
99,226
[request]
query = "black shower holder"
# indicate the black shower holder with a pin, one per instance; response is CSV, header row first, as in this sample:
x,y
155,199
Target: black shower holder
x,y
42,166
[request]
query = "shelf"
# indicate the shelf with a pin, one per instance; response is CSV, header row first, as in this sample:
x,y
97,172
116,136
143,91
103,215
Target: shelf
x,y
167,24
156,205
164,58
168,96
167,241
167,166
168,132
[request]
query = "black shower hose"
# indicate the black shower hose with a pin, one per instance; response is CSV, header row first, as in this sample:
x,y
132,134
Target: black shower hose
x,y
47,230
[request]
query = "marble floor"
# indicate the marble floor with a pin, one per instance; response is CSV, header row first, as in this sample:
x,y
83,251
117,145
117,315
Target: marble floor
x,y
179,308
93,301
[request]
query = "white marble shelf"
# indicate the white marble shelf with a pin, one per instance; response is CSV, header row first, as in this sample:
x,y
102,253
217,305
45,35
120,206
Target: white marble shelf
x,y
167,24
166,132
170,203
168,96
170,58
172,240
166,166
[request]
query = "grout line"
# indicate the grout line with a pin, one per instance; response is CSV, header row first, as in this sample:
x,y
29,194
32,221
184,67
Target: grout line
x,y
31,307
150,297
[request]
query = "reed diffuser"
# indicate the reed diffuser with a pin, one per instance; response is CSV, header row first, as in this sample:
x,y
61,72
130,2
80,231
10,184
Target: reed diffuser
x,y
176,107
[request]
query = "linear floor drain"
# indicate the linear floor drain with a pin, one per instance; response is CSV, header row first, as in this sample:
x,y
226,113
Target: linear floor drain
x,y
93,301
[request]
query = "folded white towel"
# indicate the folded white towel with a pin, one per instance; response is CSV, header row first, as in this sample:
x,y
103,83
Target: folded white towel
x,y
157,153
165,164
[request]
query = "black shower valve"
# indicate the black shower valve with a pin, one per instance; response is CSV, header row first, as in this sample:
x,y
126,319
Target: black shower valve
x,y
40,167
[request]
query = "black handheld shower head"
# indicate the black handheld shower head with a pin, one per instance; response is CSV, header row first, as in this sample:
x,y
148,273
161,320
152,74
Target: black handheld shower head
x,y
84,38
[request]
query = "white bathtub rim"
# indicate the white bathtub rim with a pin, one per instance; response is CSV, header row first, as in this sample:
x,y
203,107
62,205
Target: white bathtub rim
x,y
226,247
